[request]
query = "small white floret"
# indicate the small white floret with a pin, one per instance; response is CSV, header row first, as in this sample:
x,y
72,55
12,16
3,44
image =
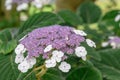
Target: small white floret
x,y
64,67
81,52
105,44
24,66
31,61
79,32
19,58
50,63
57,55
48,48
20,49
91,43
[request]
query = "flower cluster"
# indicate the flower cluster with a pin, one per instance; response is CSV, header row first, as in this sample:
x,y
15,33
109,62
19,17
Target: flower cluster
x,y
114,41
23,4
55,44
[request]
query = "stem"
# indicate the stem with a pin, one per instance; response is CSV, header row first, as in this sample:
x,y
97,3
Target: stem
x,y
41,73
38,68
19,76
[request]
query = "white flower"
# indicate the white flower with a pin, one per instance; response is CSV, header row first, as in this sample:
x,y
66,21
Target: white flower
x,y
40,3
9,7
8,4
37,3
19,58
105,44
50,63
79,32
20,49
90,43
64,67
115,45
111,37
81,52
48,48
24,66
117,18
22,6
57,55
31,61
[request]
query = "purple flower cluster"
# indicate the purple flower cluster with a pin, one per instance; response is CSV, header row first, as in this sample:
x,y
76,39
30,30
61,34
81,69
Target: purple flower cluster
x,y
62,38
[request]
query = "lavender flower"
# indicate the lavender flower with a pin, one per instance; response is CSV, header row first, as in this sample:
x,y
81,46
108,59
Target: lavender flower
x,y
54,36
54,44
114,41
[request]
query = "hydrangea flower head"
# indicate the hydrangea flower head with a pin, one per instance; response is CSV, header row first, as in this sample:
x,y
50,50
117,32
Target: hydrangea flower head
x,y
55,44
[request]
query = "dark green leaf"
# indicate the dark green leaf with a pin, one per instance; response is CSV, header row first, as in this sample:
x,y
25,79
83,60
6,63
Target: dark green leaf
x,y
89,12
6,42
85,73
108,24
110,15
39,20
92,52
9,71
52,74
5,35
109,64
70,17
6,48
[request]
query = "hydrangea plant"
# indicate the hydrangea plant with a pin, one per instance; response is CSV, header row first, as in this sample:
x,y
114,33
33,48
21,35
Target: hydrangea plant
x,y
54,44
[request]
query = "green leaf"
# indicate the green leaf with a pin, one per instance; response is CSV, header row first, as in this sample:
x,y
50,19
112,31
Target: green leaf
x,y
6,48
39,20
7,44
5,35
27,76
89,12
110,15
9,71
92,52
70,17
52,74
85,73
108,24
109,64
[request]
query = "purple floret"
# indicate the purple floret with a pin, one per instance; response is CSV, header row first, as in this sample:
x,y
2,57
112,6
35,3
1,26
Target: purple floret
x,y
60,37
115,40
